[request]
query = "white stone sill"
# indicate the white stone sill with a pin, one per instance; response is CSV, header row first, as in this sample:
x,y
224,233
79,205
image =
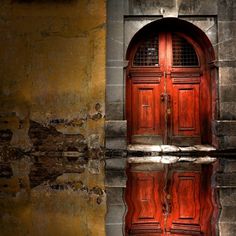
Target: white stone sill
x,y
169,148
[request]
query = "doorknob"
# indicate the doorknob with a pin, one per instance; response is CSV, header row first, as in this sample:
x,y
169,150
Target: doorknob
x,y
162,97
165,96
168,97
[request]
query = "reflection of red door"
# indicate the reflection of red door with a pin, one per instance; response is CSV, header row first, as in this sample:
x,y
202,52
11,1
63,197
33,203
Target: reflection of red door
x,y
145,203
167,92
175,204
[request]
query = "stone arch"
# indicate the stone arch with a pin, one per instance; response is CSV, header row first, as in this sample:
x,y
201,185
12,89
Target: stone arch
x,y
170,24
203,47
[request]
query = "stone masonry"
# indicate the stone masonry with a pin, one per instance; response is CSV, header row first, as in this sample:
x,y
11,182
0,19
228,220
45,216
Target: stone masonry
x,y
217,19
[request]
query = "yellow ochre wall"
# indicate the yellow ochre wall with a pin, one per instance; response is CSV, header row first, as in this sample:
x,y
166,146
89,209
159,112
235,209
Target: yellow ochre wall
x,y
52,98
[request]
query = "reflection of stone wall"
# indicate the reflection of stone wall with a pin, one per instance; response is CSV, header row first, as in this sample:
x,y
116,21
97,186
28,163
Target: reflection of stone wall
x,y
52,95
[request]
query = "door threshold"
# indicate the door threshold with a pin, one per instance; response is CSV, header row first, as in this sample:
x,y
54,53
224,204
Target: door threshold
x,y
170,148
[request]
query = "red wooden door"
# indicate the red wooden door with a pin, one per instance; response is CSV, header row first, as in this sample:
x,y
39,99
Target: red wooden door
x,y
177,203
167,92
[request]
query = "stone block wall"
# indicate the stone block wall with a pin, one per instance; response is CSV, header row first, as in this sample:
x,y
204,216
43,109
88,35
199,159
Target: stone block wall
x,y
227,75
52,98
217,20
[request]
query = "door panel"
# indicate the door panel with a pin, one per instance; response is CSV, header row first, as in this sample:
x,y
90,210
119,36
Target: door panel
x,y
146,110
186,110
146,115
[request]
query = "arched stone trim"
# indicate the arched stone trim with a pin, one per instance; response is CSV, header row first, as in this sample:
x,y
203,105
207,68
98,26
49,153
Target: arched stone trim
x,y
118,40
203,47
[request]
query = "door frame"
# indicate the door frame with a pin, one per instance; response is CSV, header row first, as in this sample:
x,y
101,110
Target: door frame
x,y
205,52
119,40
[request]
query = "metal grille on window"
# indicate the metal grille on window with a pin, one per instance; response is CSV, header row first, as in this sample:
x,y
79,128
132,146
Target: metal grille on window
x,y
183,52
147,53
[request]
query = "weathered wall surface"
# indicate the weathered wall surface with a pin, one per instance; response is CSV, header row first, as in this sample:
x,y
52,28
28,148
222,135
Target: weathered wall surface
x,y
52,92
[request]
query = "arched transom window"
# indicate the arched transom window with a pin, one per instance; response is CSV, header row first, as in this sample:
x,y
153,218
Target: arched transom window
x,y
183,53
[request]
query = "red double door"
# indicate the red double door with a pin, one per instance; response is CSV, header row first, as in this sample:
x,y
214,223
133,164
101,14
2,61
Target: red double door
x,y
174,203
168,92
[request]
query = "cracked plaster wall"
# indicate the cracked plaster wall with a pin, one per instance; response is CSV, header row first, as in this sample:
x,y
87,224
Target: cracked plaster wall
x,y
52,92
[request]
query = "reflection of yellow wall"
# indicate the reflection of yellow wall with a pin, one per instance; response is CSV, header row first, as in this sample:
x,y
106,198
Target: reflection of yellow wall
x,y
52,66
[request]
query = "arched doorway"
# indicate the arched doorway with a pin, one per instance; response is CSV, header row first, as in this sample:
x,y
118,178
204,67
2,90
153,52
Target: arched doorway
x,y
170,100
169,92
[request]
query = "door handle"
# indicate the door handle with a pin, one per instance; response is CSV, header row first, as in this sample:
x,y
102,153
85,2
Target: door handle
x,y
168,97
162,97
165,97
